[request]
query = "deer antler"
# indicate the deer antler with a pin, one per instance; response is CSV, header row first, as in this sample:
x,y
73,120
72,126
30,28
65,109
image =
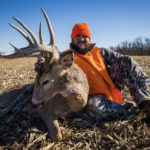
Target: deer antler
x,y
48,51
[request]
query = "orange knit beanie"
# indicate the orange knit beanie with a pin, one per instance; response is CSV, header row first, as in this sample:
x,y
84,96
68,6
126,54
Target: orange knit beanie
x,y
80,29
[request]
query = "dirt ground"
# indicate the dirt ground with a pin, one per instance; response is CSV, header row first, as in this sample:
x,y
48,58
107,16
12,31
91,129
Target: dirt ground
x,y
23,132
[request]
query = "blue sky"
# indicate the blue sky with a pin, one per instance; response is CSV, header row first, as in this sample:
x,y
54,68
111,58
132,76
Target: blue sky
x,y
110,21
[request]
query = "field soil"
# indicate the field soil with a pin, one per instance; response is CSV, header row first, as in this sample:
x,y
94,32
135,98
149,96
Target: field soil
x,y
27,132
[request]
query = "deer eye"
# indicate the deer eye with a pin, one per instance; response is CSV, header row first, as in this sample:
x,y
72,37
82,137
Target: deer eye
x,y
45,82
64,78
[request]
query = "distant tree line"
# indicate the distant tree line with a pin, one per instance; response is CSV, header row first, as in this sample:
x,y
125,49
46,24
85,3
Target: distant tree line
x,y
140,46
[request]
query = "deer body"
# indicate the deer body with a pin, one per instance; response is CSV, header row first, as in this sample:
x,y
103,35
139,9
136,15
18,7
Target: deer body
x,y
64,89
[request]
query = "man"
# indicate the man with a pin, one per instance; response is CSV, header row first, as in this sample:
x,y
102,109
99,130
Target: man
x,y
108,72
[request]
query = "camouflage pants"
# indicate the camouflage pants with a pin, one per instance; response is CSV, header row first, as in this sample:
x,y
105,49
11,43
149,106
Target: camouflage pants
x,y
124,72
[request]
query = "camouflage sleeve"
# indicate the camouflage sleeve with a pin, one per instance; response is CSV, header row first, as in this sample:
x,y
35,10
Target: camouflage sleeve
x,y
109,56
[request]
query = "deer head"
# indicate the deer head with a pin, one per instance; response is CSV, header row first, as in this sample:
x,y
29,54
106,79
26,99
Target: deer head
x,y
64,78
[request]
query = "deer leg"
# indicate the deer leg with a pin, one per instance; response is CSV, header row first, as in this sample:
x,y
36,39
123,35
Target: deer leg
x,y
54,129
51,122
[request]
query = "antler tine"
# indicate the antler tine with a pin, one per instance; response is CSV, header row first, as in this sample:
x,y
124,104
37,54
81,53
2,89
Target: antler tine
x,y
27,29
52,42
22,33
40,34
48,56
16,49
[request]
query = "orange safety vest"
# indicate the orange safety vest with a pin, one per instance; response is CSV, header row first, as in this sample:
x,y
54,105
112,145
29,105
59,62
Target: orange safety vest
x,y
98,78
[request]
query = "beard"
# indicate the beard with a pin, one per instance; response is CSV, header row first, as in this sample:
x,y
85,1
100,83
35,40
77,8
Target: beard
x,y
77,48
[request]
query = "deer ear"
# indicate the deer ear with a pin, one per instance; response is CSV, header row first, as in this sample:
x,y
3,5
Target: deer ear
x,y
67,59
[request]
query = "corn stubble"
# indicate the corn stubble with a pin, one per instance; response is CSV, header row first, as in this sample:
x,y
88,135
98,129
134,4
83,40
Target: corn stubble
x,y
26,132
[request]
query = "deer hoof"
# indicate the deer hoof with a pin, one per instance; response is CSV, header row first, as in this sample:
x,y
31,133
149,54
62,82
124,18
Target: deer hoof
x,y
56,138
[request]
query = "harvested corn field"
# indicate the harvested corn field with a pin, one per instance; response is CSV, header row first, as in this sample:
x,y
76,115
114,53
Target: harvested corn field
x,y
20,130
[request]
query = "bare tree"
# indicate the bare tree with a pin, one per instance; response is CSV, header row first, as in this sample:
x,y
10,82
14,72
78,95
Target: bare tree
x,y
138,47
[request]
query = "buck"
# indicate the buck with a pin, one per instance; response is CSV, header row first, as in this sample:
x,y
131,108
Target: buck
x,y
60,87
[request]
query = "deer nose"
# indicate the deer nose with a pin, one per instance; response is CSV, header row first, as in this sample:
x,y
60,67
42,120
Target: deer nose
x,y
36,106
36,102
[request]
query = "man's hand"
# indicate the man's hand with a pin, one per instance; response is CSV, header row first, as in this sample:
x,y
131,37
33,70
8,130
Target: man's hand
x,y
145,107
39,64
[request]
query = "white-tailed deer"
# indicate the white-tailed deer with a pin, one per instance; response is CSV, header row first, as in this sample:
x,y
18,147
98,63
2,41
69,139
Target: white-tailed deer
x,y
60,86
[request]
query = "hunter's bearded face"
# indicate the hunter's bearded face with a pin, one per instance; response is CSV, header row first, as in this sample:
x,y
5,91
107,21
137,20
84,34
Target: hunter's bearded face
x,y
81,43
